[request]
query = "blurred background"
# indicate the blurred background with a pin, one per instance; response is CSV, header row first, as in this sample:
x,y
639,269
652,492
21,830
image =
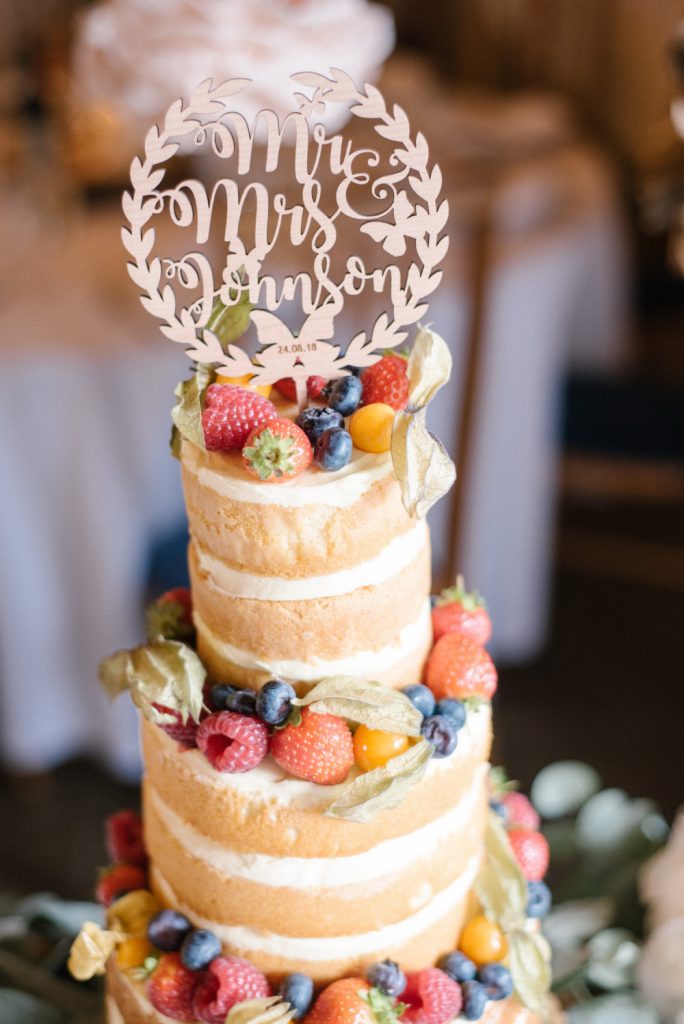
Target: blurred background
x,y
562,303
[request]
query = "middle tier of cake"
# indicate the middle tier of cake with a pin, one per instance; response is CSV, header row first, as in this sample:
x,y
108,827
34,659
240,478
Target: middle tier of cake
x,y
321,576
254,858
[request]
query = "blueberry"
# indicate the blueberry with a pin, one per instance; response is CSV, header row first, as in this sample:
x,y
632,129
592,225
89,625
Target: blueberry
x,y
498,808
297,990
218,696
333,449
199,948
538,899
497,981
315,421
422,698
167,929
474,1000
441,732
274,702
242,701
454,709
345,394
387,976
458,966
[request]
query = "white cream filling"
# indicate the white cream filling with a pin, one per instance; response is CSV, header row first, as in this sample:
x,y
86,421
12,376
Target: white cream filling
x,y
397,555
268,783
321,949
387,858
340,489
362,663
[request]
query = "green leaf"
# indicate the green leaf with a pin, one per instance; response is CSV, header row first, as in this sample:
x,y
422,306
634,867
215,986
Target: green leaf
x,y
384,1008
382,788
229,323
187,412
500,885
529,956
365,702
21,1008
561,788
164,672
270,1010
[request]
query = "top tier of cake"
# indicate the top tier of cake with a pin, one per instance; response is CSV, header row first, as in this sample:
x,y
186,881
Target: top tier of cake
x,y
320,576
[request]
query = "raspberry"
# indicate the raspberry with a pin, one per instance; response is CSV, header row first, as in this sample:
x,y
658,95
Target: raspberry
x,y
386,381
531,852
227,981
117,880
230,414
458,667
519,811
277,451
319,749
431,997
171,988
314,387
183,732
124,839
232,742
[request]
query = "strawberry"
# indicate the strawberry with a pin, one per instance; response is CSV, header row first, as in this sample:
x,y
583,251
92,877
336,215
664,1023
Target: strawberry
x,y
320,748
519,811
314,387
184,732
228,980
458,611
531,852
277,451
343,1002
170,616
117,880
172,986
460,668
230,414
432,997
386,381
232,742
124,838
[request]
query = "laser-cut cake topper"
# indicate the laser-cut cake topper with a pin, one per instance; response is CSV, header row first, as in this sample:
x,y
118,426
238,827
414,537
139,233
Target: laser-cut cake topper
x,y
405,220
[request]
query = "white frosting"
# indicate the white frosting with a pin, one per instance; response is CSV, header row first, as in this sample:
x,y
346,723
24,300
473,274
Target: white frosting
x,y
393,558
322,949
315,487
268,783
361,663
387,858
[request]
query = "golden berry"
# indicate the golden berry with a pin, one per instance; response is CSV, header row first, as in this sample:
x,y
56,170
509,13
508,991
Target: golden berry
x,y
243,382
133,912
371,427
374,748
132,952
483,941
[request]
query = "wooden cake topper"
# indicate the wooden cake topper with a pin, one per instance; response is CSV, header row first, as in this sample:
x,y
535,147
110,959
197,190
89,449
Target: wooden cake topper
x,y
401,213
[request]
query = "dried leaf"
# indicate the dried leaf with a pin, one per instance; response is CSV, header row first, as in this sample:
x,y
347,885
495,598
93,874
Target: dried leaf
x,y
367,703
90,951
382,788
429,367
131,913
500,885
529,957
229,323
165,673
261,1011
187,413
421,464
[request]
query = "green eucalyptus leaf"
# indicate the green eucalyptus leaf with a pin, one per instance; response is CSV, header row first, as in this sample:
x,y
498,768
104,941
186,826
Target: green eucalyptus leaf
x,y
561,788
625,1008
529,957
367,703
570,924
613,955
164,672
21,1008
187,412
382,788
500,886
611,822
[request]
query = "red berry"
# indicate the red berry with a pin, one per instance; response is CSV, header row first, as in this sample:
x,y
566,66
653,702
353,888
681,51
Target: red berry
x,y
172,986
277,451
124,838
460,668
342,1002
228,980
230,414
531,852
320,749
181,596
232,742
458,611
287,388
386,381
519,811
432,997
183,732
117,880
